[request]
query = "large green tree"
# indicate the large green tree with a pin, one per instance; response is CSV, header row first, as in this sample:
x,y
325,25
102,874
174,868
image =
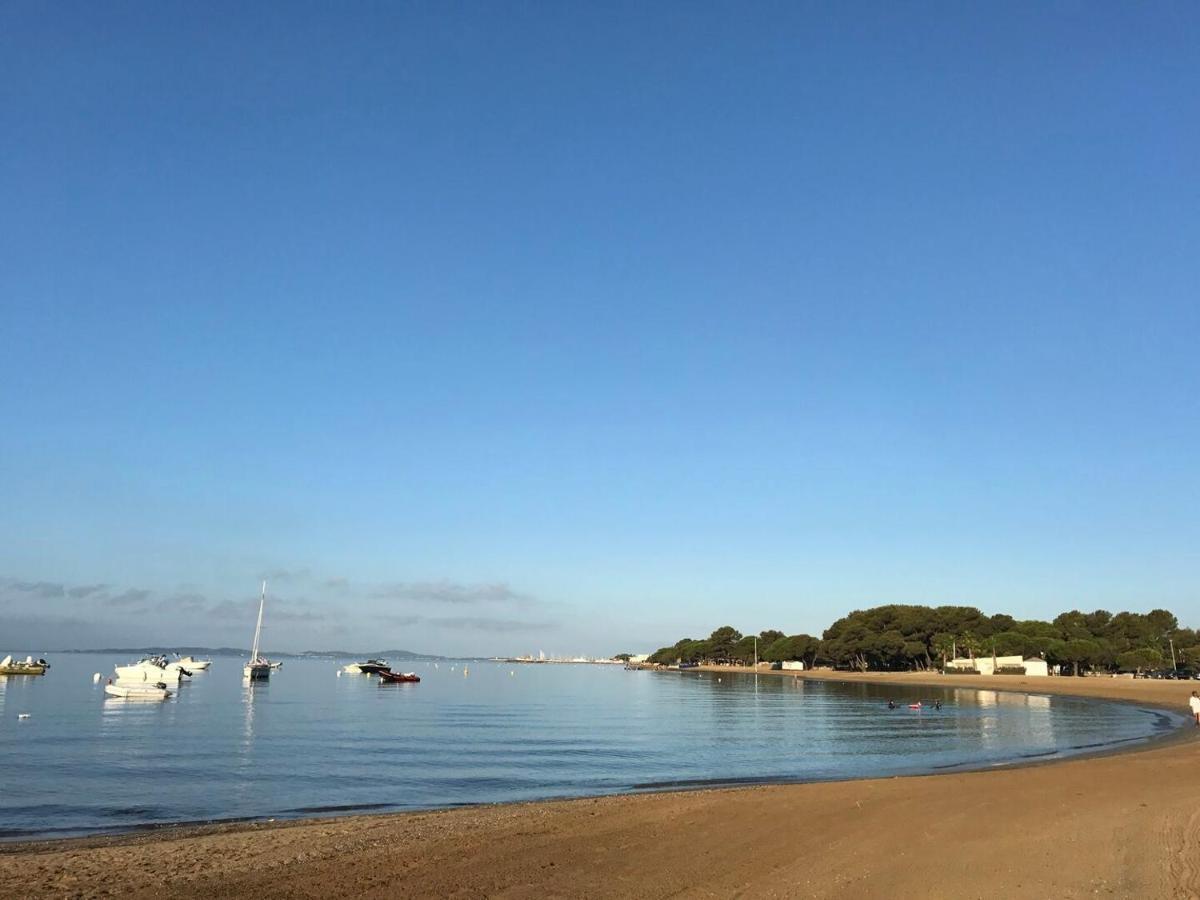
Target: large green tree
x,y
1139,660
722,641
1081,653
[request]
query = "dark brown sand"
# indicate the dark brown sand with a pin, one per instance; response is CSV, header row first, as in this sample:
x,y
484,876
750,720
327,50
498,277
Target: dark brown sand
x,y
1123,825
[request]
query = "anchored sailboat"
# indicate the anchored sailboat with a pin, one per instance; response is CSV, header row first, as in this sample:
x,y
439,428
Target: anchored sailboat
x,y
258,669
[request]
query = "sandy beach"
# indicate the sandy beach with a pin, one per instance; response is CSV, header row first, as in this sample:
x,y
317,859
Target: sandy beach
x,y
1120,825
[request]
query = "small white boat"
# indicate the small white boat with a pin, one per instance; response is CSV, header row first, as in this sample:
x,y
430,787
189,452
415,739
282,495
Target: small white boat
x,y
137,691
194,665
152,669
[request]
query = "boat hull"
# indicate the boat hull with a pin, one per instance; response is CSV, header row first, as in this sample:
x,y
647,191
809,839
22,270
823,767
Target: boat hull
x,y
399,678
22,670
151,674
257,672
26,666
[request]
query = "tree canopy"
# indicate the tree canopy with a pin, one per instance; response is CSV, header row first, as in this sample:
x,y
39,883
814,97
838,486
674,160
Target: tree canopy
x,y
899,637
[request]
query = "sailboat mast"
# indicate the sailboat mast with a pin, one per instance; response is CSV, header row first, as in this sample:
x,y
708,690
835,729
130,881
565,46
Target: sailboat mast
x,y
258,628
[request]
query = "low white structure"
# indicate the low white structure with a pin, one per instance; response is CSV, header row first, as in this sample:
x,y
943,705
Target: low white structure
x,y
1035,665
793,665
987,665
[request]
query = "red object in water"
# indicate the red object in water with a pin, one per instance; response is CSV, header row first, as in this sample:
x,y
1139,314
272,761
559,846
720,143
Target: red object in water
x,y
394,677
914,706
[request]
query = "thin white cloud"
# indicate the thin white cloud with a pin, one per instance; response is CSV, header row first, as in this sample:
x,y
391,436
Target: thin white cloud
x,y
130,597
79,591
495,626
45,590
450,592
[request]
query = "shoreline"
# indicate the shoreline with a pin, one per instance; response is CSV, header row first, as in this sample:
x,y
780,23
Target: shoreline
x,y
652,836
1173,733
1168,697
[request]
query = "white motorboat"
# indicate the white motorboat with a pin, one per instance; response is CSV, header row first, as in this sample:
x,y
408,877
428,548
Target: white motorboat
x,y
137,691
370,667
152,669
259,668
194,665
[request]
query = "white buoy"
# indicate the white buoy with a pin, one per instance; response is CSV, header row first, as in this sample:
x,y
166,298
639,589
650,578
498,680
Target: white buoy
x,y
96,678
22,715
339,673
511,673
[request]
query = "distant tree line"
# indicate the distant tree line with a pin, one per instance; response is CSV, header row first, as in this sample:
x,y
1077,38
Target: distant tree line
x,y
900,638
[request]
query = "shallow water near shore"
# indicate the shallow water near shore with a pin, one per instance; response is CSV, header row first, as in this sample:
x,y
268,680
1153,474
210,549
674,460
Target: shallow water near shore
x,y
311,743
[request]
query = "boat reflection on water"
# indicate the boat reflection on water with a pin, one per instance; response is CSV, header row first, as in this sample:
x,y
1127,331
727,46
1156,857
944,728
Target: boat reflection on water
x,y
251,688
123,719
20,690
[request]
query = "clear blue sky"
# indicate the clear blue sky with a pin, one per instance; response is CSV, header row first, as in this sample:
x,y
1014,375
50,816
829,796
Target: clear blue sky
x,y
582,327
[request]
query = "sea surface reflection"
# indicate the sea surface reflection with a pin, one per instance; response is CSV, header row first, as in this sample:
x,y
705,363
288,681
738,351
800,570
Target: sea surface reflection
x,y
310,742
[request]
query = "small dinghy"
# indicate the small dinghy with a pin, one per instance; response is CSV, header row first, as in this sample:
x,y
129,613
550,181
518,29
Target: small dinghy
x,y
398,677
137,691
28,666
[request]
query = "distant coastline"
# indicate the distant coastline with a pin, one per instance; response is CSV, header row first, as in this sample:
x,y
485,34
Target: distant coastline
x,y
241,652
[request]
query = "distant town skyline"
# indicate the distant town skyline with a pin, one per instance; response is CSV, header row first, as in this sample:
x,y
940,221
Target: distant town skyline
x,y
479,331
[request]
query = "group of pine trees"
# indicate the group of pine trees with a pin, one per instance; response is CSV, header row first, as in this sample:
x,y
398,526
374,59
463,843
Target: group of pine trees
x,y
898,638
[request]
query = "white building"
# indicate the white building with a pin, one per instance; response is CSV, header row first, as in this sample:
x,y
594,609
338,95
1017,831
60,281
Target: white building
x,y
1035,665
987,665
793,665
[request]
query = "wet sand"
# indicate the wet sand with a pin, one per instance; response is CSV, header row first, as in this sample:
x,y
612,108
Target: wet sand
x,y
1120,825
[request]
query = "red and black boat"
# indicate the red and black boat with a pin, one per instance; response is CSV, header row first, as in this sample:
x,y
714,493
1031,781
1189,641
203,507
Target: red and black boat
x,y
398,677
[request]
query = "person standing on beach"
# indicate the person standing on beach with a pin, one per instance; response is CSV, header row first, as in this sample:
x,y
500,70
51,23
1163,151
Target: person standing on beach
x,y
1195,704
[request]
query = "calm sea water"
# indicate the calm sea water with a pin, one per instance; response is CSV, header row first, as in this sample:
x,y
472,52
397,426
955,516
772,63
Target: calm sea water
x,y
310,742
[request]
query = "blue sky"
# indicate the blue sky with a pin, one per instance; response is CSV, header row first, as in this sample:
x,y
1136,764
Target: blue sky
x,y
503,327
